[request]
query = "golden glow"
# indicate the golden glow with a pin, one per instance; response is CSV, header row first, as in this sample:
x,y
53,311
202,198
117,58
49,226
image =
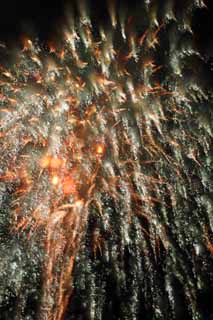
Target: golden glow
x,y
55,180
100,149
45,162
68,186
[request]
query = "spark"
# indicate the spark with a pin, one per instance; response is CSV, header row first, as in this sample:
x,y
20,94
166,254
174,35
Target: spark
x,y
100,149
85,120
55,180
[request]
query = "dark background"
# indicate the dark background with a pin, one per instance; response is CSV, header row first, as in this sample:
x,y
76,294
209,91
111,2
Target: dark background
x,y
42,18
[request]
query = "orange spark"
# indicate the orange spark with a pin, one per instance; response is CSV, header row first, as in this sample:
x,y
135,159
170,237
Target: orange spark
x,y
27,44
55,180
45,162
68,186
55,163
100,149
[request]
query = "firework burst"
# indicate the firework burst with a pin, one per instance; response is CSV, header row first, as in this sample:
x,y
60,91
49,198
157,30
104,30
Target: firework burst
x,y
90,123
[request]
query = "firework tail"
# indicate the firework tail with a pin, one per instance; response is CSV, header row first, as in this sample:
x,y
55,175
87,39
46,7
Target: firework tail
x,y
101,121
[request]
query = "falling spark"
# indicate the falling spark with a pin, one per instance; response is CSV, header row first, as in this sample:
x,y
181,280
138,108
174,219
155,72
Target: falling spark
x,y
87,121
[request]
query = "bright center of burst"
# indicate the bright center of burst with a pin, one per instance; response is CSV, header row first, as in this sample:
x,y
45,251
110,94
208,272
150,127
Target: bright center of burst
x,y
55,180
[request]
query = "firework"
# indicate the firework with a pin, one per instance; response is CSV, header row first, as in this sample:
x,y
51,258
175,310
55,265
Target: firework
x,y
99,127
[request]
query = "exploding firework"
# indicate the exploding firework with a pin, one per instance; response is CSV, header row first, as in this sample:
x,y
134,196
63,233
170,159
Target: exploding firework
x,y
98,145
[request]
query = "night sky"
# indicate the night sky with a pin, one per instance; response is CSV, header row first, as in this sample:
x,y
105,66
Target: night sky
x,y
43,19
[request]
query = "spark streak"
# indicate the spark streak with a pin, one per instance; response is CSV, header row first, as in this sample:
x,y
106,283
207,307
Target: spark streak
x,y
83,121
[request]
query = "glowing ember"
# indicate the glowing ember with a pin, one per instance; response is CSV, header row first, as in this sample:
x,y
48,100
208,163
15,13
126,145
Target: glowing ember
x,y
69,186
55,180
100,149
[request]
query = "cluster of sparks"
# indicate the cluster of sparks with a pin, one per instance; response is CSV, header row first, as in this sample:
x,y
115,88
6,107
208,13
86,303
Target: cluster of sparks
x,y
79,120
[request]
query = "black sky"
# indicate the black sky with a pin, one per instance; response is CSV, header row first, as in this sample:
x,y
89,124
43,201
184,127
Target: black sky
x,y
18,17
